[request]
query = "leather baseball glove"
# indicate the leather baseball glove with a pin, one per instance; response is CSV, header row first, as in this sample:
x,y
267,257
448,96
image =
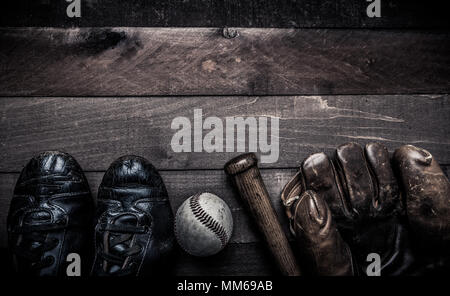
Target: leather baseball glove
x,y
360,202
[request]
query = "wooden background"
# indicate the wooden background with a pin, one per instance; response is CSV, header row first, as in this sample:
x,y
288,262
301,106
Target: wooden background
x,y
112,87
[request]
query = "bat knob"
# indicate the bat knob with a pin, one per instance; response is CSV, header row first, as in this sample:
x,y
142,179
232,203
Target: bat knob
x,y
241,163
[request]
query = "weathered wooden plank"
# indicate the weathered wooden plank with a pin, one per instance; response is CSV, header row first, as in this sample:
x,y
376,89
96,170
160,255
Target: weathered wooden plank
x,y
181,185
7,182
98,130
243,13
200,61
235,259
245,255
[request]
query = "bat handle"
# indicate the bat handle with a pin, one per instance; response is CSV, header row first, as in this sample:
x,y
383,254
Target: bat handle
x,y
247,178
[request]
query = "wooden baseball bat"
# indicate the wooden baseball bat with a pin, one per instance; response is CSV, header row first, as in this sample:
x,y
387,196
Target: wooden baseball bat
x,y
247,178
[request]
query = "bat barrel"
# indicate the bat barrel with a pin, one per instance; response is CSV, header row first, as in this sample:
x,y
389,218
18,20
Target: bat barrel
x,y
247,178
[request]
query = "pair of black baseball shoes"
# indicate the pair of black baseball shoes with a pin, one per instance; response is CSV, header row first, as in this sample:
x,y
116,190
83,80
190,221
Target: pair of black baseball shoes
x,y
53,220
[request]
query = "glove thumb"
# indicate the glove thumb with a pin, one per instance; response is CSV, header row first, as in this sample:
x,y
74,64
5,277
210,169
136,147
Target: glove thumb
x,y
427,196
322,247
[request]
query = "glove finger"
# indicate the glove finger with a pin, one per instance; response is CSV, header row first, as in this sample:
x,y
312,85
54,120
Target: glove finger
x,y
291,192
324,252
387,195
427,192
320,176
355,177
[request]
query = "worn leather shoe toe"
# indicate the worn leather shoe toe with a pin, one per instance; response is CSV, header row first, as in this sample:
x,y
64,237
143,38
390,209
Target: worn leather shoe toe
x,y
49,215
133,232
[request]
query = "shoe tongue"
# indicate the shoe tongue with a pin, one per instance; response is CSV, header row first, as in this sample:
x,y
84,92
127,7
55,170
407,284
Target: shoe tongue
x,y
126,220
37,217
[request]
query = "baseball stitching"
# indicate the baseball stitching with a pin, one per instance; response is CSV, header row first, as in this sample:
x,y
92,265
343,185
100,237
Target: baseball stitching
x,y
207,220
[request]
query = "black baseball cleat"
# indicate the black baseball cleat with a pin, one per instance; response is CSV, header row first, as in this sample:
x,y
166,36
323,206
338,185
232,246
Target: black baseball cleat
x,y
134,221
50,215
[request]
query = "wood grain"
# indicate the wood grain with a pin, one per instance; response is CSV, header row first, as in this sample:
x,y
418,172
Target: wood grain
x,y
251,259
247,178
245,255
235,260
181,185
200,61
236,13
96,131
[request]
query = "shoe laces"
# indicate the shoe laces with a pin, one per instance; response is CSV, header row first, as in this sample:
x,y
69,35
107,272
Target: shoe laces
x,y
34,239
119,244
34,242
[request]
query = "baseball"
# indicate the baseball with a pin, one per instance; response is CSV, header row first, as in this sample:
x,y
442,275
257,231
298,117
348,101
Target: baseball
x,y
203,224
